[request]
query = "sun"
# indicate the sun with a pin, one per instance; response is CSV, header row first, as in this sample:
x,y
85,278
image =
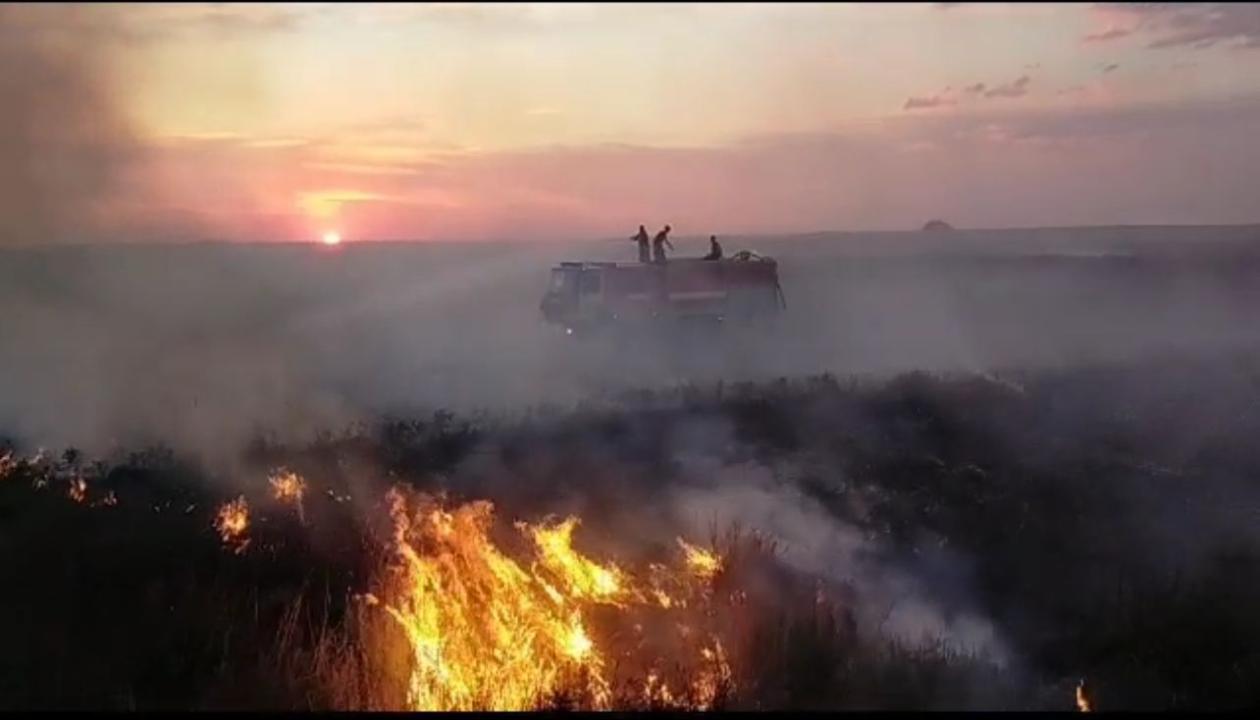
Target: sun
x,y
332,237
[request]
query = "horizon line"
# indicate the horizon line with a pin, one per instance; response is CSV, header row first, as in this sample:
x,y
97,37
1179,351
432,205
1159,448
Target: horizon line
x,y
609,238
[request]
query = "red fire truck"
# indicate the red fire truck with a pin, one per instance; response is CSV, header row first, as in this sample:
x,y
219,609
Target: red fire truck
x,y
584,296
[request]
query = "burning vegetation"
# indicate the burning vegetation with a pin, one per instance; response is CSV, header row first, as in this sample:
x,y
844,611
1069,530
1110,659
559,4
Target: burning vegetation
x,y
288,487
488,631
232,523
1082,701
78,490
405,588
703,563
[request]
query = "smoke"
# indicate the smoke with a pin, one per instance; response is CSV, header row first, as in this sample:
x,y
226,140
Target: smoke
x,y
203,346
891,601
64,140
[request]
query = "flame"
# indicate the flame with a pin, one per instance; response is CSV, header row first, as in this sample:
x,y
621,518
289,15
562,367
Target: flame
x,y
78,490
288,487
487,631
232,522
1082,702
583,578
703,563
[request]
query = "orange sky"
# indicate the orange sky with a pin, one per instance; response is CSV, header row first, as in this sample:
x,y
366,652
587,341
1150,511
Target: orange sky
x,y
454,121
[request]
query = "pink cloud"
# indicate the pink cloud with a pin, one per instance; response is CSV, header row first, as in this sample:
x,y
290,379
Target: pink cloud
x,y
1114,33
1193,25
1017,88
931,101
1102,165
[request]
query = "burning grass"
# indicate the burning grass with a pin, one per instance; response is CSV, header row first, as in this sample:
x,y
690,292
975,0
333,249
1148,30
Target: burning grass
x,y
288,487
232,522
457,622
370,570
489,631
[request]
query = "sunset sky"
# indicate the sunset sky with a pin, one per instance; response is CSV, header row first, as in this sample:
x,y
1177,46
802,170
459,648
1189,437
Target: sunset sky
x,y
454,121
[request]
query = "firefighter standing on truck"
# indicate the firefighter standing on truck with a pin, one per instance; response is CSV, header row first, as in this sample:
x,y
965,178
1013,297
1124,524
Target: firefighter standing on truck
x,y
642,239
659,243
715,250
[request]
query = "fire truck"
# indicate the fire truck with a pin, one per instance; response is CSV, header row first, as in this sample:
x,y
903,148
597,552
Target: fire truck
x,y
586,296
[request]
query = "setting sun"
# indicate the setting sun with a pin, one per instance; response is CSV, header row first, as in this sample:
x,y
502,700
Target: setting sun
x,y
332,237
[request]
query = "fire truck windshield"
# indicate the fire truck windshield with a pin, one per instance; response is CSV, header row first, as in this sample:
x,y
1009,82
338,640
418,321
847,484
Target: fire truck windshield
x,y
561,280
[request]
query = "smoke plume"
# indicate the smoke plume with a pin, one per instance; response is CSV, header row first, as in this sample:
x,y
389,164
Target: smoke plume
x,y
64,139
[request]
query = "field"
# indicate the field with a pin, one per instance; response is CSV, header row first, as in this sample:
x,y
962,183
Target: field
x,y
960,476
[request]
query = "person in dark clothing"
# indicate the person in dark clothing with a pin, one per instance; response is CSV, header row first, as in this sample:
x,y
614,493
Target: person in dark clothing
x,y
659,243
715,250
642,239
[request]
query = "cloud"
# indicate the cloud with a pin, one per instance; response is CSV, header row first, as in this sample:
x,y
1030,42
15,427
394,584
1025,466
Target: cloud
x,y
1193,25
990,167
1111,67
517,18
221,19
363,169
1017,88
1114,33
980,90
73,169
931,101
138,24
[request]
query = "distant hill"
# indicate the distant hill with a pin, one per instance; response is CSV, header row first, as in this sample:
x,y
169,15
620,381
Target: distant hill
x,y
937,226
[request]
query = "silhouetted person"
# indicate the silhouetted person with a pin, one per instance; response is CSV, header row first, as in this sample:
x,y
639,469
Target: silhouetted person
x,y
658,245
715,250
642,239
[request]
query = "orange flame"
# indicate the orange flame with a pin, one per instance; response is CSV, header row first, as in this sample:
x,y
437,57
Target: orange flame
x,y
78,490
581,577
232,522
288,487
487,632
703,563
1082,702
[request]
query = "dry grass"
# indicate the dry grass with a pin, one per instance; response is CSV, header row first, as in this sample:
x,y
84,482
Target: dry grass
x,y
1101,511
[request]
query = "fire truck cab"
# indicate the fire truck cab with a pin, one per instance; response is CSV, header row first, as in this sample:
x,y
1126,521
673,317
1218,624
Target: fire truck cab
x,y
583,296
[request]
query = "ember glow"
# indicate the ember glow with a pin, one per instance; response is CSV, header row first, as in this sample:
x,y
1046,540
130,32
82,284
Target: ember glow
x,y
1082,702
703,563
288,487
490,632
232,522
78,490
